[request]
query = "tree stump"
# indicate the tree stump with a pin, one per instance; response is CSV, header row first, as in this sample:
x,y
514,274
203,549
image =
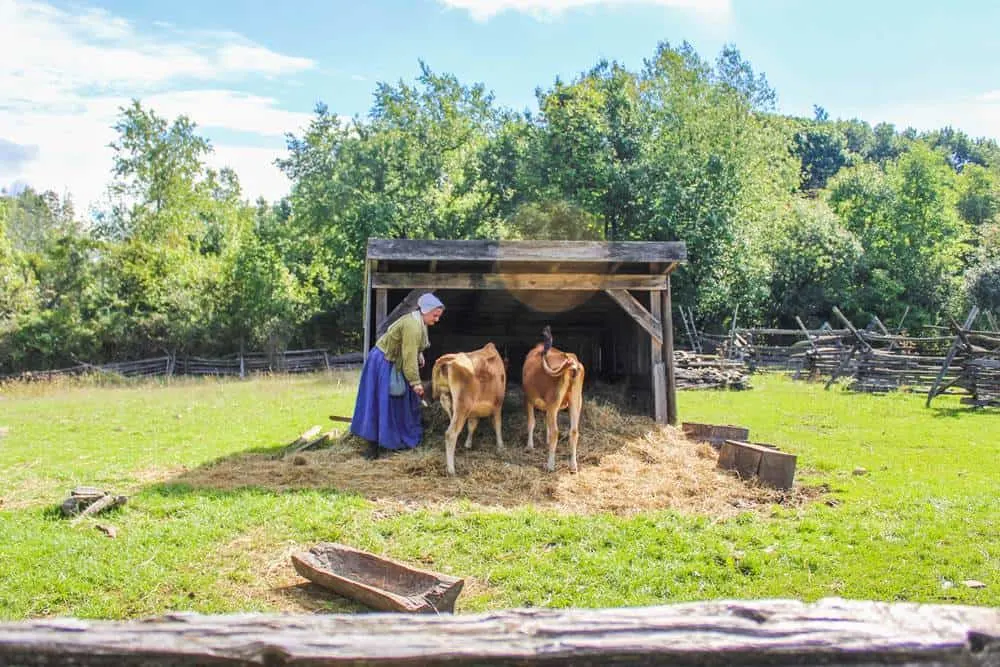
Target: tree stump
x,y
758,461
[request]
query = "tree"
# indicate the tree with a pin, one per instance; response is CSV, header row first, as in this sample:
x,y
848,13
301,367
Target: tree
x,y
268,303
589,139
555,220
984,285
16,289
410,170
172,227
822,149
908,224
815,260
715,175
978,195
34,219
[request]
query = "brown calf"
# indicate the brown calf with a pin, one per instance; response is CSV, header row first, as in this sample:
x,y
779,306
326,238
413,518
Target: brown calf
x,y
553,381
470,385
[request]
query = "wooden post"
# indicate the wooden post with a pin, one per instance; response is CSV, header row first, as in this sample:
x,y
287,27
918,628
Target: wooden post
x,y
809,337
656,363
367,309
951,355
381,307
666,320
732,333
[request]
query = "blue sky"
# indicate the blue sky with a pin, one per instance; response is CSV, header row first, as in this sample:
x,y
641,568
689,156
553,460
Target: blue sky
x,y
249,71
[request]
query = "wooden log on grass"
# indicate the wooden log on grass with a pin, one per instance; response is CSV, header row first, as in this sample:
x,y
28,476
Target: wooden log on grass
x,y
765,463
832,632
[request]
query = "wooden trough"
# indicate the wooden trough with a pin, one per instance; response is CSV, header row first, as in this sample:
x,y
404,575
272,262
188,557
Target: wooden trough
x,y
375,581
760,461
716,434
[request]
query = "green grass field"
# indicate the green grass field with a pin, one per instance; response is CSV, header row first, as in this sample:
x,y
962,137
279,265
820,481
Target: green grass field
x,y
919,520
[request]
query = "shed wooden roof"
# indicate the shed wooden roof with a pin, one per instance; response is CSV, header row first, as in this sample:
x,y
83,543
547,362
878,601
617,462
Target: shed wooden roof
x,y
527,251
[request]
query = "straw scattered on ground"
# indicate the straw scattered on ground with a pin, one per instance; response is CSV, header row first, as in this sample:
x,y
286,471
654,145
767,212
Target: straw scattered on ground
x,y
627,464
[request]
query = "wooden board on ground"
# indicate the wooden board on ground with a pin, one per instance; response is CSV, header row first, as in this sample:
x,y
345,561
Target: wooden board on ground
x,y
380,583
758,461
716,434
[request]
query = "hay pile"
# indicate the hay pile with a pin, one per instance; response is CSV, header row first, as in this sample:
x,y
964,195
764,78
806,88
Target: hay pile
x,y
627,464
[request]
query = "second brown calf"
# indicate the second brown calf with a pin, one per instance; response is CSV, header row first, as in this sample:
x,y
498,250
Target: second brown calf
x,y
553,381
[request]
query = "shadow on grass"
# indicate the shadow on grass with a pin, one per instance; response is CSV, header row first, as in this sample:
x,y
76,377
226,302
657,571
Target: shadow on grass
x,y
965,411
627,464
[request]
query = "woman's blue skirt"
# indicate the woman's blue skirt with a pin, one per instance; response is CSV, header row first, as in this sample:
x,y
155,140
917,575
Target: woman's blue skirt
x,y
393,422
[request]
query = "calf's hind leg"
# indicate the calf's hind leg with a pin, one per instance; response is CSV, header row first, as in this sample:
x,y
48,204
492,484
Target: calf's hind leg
x,y
451,439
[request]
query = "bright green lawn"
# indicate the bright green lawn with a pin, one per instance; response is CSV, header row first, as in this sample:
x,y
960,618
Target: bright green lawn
x,y
922,520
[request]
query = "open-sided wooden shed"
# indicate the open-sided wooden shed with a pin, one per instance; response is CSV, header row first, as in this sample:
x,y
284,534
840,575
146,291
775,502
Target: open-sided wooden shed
x,y
607,302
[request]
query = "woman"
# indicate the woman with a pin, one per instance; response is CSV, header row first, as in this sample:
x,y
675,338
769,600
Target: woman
x,y
380,417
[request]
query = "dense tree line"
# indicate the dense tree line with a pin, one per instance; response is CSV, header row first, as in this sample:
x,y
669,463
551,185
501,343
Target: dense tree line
x,y
782,216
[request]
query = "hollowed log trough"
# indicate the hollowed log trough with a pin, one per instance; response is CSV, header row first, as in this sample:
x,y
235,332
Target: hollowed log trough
x,y
377,582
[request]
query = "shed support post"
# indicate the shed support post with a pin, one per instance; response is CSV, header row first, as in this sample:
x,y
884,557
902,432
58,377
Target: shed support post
x,y
667,322
381,307
659,379
367,309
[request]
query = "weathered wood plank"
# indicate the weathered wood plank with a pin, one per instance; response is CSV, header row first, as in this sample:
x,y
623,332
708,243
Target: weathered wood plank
x,y
716,434
667,331
657,367
381,307
758,461
772,632
637,312
368,342
526,251
517,281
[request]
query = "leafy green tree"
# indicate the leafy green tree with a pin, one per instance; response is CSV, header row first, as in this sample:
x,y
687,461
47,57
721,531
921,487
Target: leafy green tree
x,y
410,170
984,285
590,137
555,220
815,261
34,219
888,145
268,303
715,175
173,226
909,226
16,288
822,148
978,195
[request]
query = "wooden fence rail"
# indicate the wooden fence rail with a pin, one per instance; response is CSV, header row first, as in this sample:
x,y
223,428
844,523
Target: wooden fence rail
x,y
292,361
767,632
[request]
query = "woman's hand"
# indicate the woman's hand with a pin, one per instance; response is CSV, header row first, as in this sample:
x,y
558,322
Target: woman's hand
x,y
419,390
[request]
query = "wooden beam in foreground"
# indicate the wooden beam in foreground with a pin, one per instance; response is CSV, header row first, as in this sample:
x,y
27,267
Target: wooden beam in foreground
x,y
766,632
518,281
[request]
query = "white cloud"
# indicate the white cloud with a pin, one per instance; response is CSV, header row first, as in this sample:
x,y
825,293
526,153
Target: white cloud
x,y
229,109
258,175
484,10
65,73
977,116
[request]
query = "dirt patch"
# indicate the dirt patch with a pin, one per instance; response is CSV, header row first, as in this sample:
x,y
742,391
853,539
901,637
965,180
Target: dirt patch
x,y
627,464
